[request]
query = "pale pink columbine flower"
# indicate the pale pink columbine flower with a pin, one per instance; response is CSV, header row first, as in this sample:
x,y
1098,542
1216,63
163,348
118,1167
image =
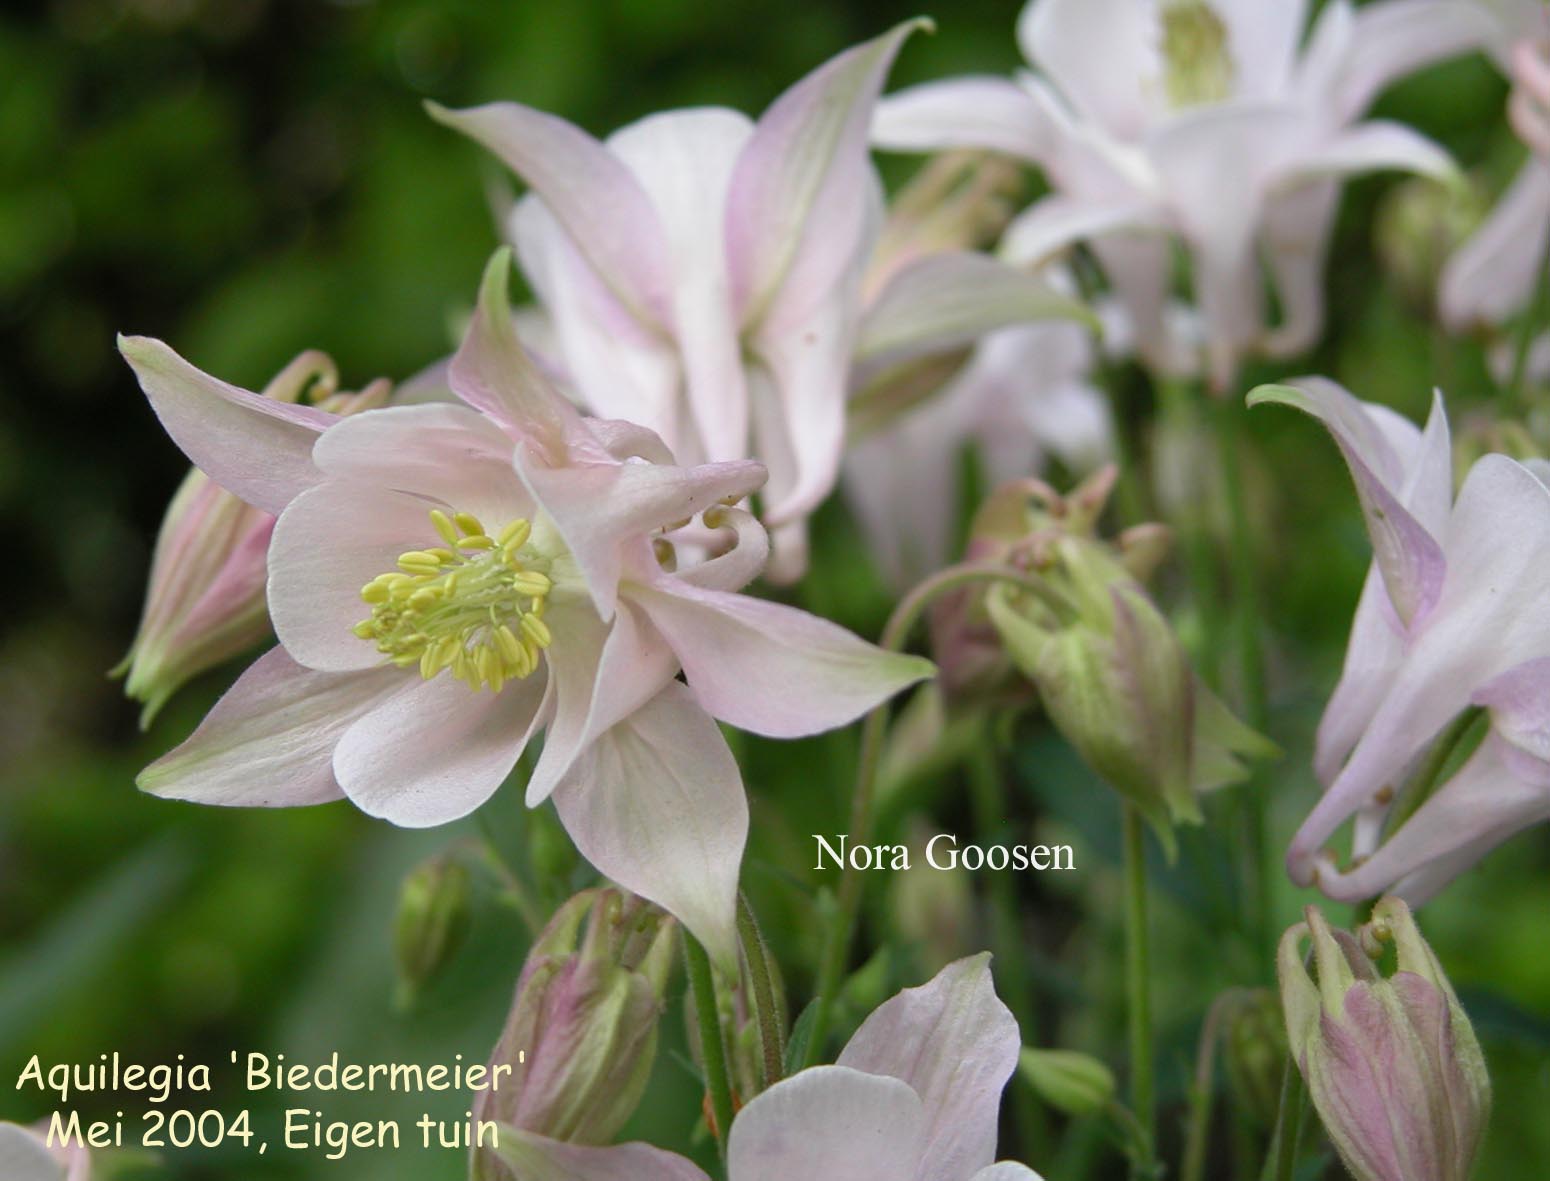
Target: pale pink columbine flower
x,y
1025,394
703,274
1211,122
1453,616
913,1097
1491,277
448,580
26,1156
205,603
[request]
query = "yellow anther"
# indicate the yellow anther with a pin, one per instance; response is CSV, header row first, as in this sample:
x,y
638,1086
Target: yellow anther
x,y
714,517
674,526
537,630
666,555
444,526
473,610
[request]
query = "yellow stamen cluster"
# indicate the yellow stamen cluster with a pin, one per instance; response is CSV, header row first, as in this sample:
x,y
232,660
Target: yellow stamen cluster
x,y
474,605
1197,62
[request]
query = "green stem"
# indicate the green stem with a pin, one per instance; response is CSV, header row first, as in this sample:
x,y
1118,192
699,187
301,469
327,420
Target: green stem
x,y
841,932
1202,1089
702,985
1533,318
1143,1098
1281,1161
756,954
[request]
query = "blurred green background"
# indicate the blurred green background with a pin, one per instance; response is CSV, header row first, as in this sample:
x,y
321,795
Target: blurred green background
x,y
249,178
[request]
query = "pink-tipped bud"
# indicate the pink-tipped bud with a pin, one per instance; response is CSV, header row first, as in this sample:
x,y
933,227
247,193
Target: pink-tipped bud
x,y
205,603
1391,1063
582,1033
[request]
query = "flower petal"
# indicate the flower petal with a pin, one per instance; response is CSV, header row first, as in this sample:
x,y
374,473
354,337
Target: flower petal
x,y
594,196
955,1044
258,449
1100,54
770,668
1006,1171
435,752
1393,38
1053,224
797,202
656,803
1372,147
984,112
1409,556
598,507
1298,224
828,1122
537,1158
24,1156
269,741
1489,279
949,300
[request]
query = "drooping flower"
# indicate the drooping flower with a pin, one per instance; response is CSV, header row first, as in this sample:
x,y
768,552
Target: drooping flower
x,y
1207,121
1391,1063
1452,618
26,1156
1491,278
582,1032
913,1097
703,274
424,554
205,603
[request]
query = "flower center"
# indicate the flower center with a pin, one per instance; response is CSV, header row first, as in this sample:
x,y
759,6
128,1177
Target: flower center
x,y
1197,67
474,606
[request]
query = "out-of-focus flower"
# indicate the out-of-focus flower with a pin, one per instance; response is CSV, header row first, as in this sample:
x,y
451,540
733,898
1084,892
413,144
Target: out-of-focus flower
x,y
932,909
1392,1063
1491,278
205,603
434,915
703,274
426,553
1452,618
914,1097
1210,122
1109,670
1254,1053
1419,226
582,1032
1074,1083
26,1156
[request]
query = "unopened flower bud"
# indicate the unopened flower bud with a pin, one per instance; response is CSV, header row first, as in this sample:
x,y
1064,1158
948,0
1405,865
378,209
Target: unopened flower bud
x,y
582,1032
1254,1052
1070,1082
434,915
1420,225
1391,1063
206,603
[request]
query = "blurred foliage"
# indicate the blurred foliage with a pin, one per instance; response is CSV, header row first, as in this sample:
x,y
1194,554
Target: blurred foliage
x,y
248,178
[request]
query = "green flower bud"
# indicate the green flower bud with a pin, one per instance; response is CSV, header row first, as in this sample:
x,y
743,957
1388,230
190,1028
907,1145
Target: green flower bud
x,y
1254,1052
434,916
1070,1082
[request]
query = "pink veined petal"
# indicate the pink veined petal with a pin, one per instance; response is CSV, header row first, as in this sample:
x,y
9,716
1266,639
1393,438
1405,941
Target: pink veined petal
x,y
537,1158
1489,618
594,196
492,373
1373,652
685,161
1488,800
828,1122
1393,38
1489,278
436,751
949,300
1519,701
447,456
656,803
1100,54
601,677
1410,558
258,449
1058,222
989,113
956,1045
617,367
598,507
25,1157
797,202
269,741
770,668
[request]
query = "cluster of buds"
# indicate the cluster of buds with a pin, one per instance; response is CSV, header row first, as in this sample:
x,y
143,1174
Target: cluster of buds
x,y
206,603
1391,1063
1109,669
582,1032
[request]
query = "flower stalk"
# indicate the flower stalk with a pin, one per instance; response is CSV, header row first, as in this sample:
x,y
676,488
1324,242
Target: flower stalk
x,y
718,1086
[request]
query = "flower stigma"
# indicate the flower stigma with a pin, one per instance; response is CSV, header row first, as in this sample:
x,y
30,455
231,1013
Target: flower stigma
x,y
474,605
1197,67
